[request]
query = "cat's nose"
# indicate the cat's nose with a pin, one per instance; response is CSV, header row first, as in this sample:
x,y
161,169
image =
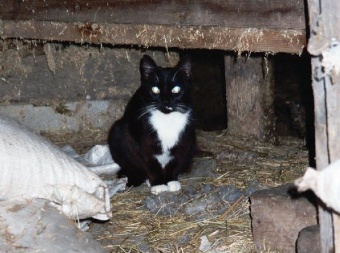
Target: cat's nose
x,y
167,107
170,108
167,104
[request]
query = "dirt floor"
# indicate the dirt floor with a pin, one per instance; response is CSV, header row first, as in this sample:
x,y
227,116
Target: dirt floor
x,y
212,208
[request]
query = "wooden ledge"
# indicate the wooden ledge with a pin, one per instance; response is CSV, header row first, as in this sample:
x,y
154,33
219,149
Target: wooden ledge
x,y
245,25
237,39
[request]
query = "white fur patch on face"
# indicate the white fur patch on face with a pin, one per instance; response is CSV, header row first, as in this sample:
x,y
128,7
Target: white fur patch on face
x,y
174,186
168,127
159,188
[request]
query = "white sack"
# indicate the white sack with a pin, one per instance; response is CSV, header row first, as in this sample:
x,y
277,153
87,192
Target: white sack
x,y
325,184
31,167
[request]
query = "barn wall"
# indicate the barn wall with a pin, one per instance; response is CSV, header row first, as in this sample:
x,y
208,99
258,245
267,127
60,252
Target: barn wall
x,y
69,87
33,72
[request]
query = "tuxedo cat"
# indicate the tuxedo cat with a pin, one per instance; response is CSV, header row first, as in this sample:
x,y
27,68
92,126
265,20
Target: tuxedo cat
x,y
155,139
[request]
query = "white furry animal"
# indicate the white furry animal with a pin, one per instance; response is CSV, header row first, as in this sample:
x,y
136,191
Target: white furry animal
x,y
324,183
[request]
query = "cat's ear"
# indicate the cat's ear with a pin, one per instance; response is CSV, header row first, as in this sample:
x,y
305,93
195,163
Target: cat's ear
x,y
147,67
184,66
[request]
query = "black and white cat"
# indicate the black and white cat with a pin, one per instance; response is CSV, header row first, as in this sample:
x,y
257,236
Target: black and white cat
x,y
155,139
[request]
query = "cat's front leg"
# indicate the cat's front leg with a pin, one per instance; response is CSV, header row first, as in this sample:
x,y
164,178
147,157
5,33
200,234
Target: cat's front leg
x,y
156,178
171,172
171,176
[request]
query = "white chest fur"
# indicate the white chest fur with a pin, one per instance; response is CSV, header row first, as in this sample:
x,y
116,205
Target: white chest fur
x,y
169,128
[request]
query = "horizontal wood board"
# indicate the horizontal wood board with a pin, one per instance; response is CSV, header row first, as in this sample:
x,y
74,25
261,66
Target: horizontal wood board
x,y
244,25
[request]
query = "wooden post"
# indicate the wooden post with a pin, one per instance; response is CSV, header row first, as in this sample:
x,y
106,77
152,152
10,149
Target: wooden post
x,y
249,91
325,42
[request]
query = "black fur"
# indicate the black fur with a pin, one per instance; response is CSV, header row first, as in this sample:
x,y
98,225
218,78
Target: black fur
x,y
132,140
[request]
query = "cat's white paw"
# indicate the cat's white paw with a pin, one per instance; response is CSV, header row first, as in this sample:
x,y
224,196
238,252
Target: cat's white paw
x,y
174,186
159,188
147,182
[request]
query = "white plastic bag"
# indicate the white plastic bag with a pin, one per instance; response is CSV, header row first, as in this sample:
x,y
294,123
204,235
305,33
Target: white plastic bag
x,y
98,159
31,167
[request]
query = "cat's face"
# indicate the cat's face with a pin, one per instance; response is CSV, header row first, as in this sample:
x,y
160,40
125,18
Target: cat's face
x,y
166,89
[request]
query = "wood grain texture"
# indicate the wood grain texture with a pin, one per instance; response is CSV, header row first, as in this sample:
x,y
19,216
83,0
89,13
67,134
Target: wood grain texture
x,y
324,24
277,230
321,150
272,26
287,14
249,93
236,39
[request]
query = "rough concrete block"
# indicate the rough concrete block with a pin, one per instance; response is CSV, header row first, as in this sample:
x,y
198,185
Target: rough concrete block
x,y
309,240
36,226
67,72
66,118
278,217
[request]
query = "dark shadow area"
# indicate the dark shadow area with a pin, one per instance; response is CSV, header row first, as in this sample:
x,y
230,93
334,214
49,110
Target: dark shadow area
x,y
209,97
293,103
309,195
293,94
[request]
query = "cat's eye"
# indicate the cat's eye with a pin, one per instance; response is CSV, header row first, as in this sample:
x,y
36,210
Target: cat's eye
x,y
155,90
176,89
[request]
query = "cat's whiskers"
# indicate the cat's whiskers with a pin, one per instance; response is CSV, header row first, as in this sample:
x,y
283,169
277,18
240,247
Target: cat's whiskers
x,y
181,108
146,110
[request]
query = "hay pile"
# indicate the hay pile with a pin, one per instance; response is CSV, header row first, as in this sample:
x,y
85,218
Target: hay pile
x,y
212,206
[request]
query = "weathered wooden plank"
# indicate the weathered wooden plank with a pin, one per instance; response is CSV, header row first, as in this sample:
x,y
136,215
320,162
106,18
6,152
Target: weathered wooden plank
x,y
324,24
288,14
333,131
321,141
336,222
331,26
244,25
321,151
238,39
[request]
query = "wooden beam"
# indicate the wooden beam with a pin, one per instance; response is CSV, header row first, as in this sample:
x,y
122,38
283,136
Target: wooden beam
x,y
244,25
250,98
236,39
277,14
